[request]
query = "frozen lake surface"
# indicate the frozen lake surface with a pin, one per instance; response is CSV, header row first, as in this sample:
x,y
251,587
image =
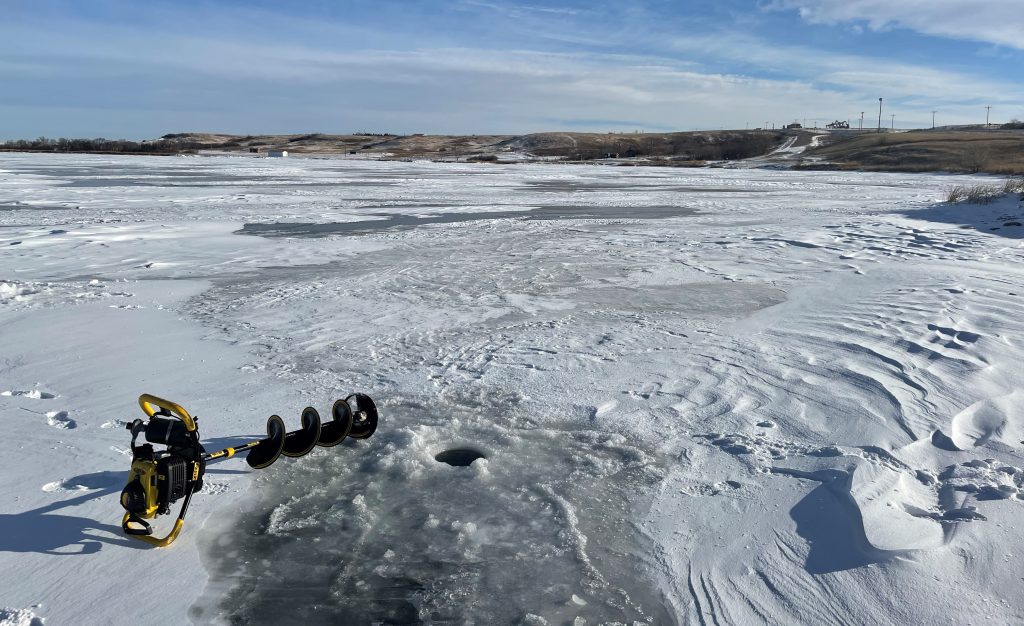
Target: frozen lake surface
x,y
700,396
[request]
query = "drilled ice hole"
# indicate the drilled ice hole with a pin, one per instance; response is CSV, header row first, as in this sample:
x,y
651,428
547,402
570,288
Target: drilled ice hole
x,y
459,457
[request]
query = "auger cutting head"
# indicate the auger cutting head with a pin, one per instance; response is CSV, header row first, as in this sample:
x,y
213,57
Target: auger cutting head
x,y
159,478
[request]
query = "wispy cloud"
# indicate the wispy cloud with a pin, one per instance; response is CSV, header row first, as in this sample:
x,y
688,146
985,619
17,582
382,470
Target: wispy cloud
x,y
993,21
519,10
861,76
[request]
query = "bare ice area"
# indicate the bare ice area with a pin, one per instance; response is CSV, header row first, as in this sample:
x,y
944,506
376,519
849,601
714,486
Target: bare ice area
x,y
608,394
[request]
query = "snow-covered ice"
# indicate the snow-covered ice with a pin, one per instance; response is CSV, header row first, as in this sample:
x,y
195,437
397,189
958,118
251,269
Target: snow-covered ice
x,y
701,396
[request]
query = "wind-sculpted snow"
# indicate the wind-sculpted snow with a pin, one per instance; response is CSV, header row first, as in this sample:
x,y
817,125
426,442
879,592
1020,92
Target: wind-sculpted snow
x,y
701,396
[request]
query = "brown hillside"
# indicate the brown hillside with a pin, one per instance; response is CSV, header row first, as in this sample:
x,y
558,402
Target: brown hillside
x,y
995,152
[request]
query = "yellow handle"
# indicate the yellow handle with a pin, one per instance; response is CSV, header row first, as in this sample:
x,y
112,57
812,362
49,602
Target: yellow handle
x,y
160,543
147,401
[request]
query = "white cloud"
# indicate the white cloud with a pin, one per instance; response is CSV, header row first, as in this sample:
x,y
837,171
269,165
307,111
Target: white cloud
x,y
519,10
993,21
862,77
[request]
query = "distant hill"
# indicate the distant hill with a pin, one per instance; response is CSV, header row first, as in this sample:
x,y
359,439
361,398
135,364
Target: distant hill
x,y
998,150
689,146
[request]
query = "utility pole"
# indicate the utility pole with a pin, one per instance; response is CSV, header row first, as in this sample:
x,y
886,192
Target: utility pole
x,y
893,121
879,115
987,111
933,119
862,120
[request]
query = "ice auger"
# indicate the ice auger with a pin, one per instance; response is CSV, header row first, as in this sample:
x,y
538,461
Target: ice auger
x,y
159,478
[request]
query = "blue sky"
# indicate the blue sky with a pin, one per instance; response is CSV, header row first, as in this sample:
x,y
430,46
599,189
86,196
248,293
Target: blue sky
x,y
120,68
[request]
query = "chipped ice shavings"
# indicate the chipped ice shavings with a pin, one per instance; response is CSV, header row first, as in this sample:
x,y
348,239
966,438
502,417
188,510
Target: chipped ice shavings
x,y
15,291
283,522
20,617
213,487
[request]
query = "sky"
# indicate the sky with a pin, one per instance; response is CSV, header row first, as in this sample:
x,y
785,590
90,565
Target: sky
x,y
137,70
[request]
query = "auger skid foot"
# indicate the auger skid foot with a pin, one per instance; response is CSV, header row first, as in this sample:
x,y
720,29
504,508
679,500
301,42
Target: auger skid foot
x,y
158,479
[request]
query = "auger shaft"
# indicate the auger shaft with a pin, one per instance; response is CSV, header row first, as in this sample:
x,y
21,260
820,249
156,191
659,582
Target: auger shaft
x,y
227,453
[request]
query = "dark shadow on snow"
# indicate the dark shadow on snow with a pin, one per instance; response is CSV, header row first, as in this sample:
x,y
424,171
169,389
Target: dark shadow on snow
x,y
830,521
1004,217
41,531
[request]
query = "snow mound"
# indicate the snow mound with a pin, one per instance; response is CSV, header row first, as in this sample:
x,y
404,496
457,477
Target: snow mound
x,y
986,420
895,509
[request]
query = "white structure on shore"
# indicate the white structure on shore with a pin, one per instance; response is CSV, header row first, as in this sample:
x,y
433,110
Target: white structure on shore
x,y
277,153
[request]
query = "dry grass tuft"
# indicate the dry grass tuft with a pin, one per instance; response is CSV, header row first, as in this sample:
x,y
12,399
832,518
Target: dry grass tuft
x,y
1014,185
984,194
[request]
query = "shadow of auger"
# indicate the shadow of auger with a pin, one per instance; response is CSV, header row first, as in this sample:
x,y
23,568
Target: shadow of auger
x,y
38,530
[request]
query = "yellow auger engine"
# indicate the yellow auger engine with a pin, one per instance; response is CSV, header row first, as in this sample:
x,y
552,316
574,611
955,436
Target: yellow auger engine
x,y
159,478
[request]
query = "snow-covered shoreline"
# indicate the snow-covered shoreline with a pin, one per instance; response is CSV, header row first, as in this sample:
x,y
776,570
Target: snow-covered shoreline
x,y
764,374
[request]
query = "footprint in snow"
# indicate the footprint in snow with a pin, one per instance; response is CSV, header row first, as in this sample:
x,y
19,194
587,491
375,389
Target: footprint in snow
x,y
108,480
60,419
711,490
955,338
33,394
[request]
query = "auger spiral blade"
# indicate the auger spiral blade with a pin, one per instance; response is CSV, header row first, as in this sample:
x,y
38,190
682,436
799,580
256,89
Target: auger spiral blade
x,y
266,451
300,442
364,415
334,432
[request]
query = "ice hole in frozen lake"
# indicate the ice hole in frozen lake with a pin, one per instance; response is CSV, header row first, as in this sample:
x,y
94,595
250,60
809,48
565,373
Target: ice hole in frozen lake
x,y
459,457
